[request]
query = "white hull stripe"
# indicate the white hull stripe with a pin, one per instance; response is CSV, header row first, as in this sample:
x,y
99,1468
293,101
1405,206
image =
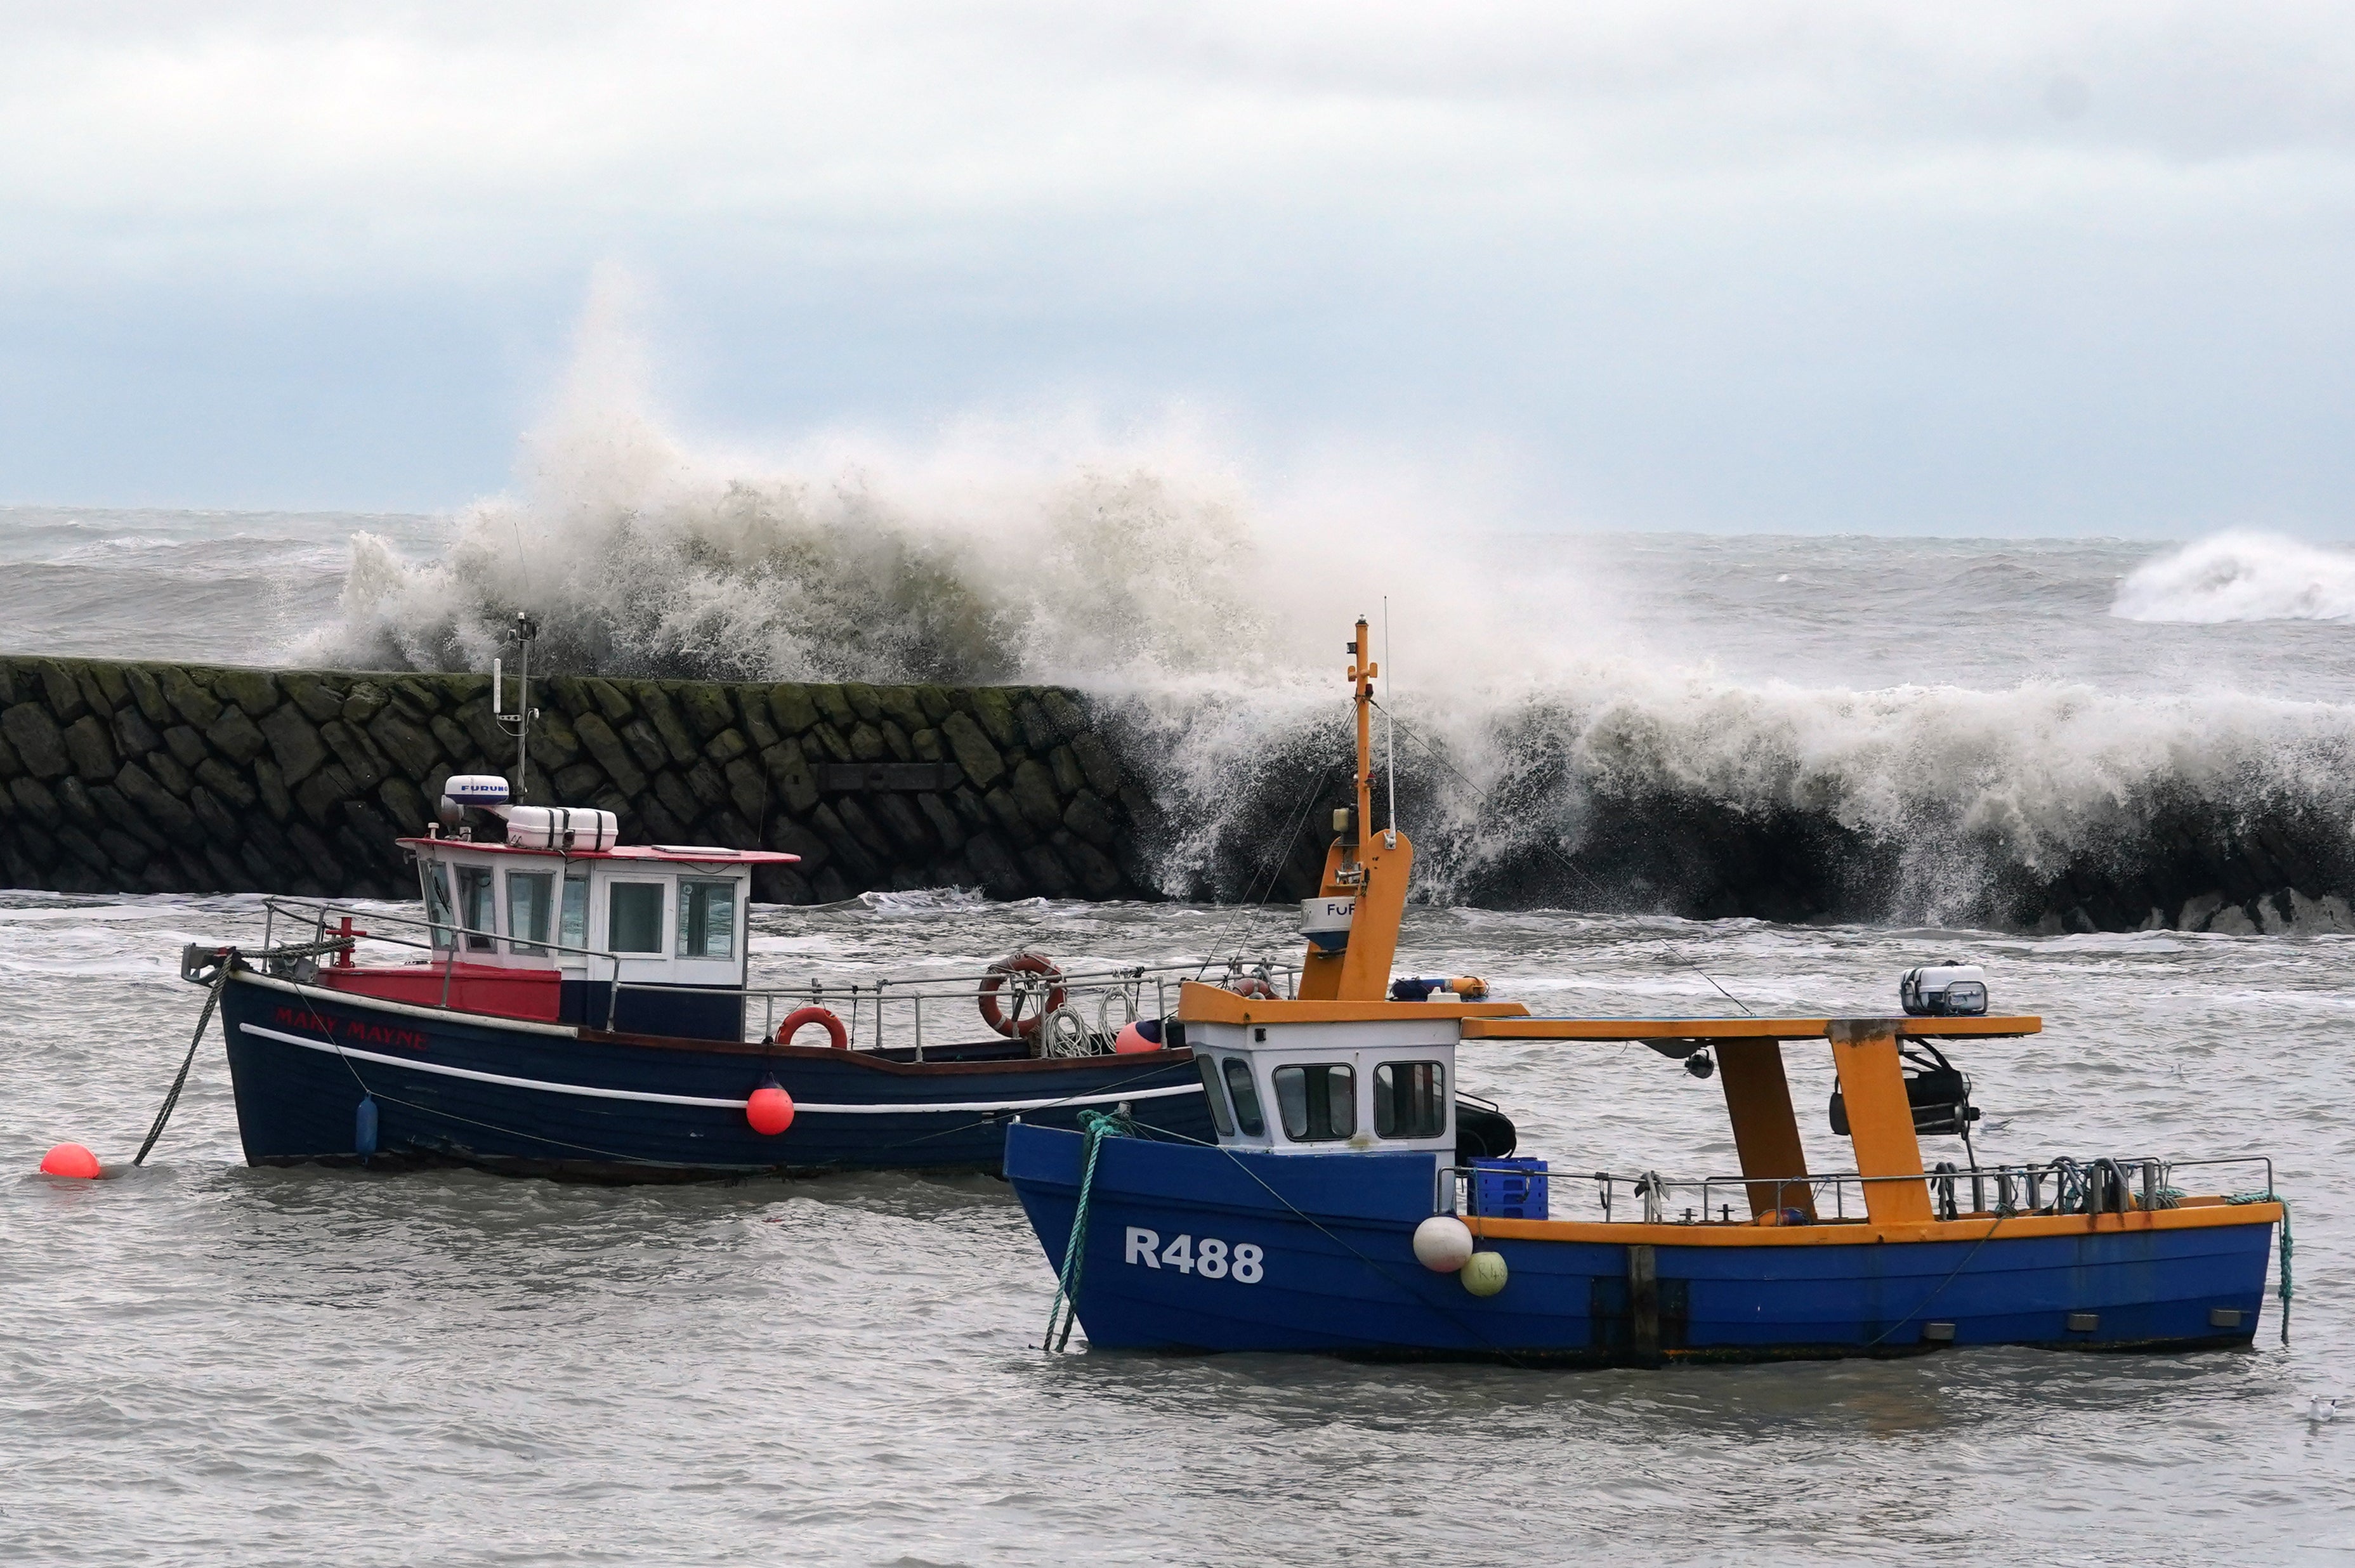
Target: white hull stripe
x,y
329,1049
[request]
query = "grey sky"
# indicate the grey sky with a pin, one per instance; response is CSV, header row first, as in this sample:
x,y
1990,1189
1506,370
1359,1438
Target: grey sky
x,y
1996,268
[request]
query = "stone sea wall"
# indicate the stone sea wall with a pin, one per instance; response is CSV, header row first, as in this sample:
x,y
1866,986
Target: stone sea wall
x,y
120,777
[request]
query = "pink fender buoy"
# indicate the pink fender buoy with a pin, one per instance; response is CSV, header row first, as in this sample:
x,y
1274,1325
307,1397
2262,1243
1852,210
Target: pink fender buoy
x,y
71,1159
770,1110
1138,1034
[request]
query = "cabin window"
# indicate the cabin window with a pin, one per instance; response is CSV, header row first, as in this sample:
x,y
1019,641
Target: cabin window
x,y
1410,1100
477,908
572,928
528,896
634,917
1239,1085
439,912
1217,1096
706,919
1318,1102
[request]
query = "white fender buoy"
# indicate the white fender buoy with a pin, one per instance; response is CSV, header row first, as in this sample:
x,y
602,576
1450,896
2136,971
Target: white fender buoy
x,y
1483,1274
1443,1243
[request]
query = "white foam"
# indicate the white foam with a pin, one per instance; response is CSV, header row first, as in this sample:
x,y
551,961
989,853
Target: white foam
x,y
2241,576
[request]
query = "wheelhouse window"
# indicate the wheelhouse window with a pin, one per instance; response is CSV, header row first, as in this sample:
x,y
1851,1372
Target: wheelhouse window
x,y
1410,1100
1317,1102
1246,1097
634,921
440,913
573,927
706,919
529,897
478,907
1216,1097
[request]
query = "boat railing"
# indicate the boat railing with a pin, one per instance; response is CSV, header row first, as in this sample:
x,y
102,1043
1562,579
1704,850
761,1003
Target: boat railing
x,y
1074,1011
2064,1185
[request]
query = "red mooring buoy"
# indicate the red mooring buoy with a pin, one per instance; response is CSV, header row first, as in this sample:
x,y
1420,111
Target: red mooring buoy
x,y
770,1110
71,1159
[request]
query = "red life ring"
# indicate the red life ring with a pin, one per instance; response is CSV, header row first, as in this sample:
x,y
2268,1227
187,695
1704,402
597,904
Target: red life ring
x,y
1252,986
813,1014
1020,964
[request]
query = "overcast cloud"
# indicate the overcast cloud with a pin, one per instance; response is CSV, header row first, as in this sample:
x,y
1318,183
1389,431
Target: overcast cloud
x,y
1889,268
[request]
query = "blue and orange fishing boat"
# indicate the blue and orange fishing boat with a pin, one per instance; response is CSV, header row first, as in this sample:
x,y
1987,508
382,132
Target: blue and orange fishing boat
x,y
1333,1211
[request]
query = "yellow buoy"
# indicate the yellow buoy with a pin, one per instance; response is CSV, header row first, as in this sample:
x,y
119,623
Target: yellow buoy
x,y
1483,1274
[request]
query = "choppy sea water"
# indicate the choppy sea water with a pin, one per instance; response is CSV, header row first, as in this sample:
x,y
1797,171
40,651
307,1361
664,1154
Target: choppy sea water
x,y
204,1363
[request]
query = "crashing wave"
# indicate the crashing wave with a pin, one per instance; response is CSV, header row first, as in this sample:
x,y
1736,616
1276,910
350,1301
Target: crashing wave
x,y
2241,576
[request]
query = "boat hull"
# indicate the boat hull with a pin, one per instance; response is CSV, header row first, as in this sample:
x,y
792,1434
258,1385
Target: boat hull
x,y
539,1098
1335,1273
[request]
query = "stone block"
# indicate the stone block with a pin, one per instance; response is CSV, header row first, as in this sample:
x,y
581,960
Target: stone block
x,y
272,785
944,824
906,827
934,702
659,711
293,745
677,798
133,736
1087,817
863,700
217,821
706,707
791,707
789,772
1070,778
1037,731
320,702
250,689
91,752
747,789
723,827
703,781
760,728
408,745
1048,872
170,772
189,700
146,694
366,700
1065,715
1034,792
612,755
895,741
451,737
61,691
1096,760
725,747
975,755
833,705
830,742
420,697
185,745
1006,815
39,744
405,804
781,885
216,776
647,744
577,783
829,887
610,702
994,710
322,792
490,741
126,852
554,743
1099,877
235,736
1000,877
900,705
74,795
10,764
141,792
84,848
36,802
368,766
661,827
867,744
855,857
927,746
790,838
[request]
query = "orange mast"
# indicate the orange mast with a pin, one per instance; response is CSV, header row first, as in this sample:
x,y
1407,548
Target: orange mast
x,y
1363,872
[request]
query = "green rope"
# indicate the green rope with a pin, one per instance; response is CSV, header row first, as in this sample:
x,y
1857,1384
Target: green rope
x,y
2286,1247
1098,1125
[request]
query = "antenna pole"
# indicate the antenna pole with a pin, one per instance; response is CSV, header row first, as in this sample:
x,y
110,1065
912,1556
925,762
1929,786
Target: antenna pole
x,y
518,723
1389,726
1361,674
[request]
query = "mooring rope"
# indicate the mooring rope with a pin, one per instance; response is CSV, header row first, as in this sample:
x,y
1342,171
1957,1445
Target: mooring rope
x,y
2286,1247
1065,1316
180,1080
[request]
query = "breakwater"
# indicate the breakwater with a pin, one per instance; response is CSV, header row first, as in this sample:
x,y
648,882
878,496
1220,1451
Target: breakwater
x,y
140,776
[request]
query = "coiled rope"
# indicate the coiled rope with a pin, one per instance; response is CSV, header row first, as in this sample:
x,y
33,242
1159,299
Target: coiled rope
x,y
1065,1316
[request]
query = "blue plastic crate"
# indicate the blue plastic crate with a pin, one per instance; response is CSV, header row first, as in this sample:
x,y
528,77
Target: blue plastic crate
x,y
1509,1188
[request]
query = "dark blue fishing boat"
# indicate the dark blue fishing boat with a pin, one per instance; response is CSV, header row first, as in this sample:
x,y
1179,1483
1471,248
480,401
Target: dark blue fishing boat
x,y
1333,1211
575,1007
